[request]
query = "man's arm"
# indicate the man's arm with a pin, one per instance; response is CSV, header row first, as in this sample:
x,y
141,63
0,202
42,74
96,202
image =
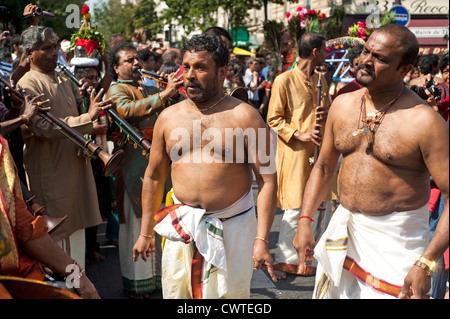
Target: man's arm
x,y
37,243
262,161
316,190
434,146
152,191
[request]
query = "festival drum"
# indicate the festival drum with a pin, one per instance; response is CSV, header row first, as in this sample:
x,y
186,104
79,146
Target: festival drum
x,y
19,288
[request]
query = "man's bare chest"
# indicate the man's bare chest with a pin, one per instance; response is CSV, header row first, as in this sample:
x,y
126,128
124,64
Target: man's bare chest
x,y
209,140
391,142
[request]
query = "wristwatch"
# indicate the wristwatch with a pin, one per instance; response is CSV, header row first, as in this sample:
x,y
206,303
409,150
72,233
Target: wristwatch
x,y
427,265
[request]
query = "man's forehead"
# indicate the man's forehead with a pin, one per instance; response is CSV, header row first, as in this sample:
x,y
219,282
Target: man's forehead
x,y
197,55
127,53
383,40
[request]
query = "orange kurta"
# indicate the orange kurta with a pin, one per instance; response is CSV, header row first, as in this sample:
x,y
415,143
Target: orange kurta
x,y
292,107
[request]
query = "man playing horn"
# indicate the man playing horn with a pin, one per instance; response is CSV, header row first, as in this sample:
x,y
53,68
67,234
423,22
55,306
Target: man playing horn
x,y
61,179
139,105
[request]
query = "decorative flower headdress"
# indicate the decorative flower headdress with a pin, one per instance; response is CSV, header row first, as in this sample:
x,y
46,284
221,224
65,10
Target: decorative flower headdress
x,y
359,29
87,37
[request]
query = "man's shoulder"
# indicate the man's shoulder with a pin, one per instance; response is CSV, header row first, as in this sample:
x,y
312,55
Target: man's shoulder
x,y
177,109
284,77
28,77
119,87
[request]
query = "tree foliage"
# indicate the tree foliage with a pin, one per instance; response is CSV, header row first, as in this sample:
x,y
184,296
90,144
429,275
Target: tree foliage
x,y
13,19
115,17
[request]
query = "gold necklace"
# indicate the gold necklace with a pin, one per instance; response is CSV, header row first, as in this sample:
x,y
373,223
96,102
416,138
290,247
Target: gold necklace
x,y
210,107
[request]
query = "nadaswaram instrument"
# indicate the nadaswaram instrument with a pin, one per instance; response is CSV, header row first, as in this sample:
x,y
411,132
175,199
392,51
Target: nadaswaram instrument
x,y
313,159
162,79
129,130
239,92
110,161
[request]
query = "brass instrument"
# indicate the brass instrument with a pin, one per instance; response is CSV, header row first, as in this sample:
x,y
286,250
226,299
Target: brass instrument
x,y
111,162
36,209
129,130
162,79
239,92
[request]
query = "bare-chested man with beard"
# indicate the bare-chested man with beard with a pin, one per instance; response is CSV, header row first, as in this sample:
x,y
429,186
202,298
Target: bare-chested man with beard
x,y
376,245
215,142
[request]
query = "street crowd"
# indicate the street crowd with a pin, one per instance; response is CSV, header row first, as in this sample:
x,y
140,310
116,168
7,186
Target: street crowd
x,y
359,162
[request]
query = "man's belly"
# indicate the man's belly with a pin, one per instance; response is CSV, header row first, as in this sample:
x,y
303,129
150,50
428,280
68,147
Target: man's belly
x,y
210,186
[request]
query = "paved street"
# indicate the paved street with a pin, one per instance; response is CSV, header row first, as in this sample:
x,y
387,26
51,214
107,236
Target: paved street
x,y
107,278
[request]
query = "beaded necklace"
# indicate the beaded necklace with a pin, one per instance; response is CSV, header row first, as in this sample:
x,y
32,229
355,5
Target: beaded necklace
x,y
372,121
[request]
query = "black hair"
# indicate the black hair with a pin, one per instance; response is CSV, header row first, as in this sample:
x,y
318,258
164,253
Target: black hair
x,y
218,31
308,42
443,62
354,53
169,67
212,44
114,57
145,54
428,62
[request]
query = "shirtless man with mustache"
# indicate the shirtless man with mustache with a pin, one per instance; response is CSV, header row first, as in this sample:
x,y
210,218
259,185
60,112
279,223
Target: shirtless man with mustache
x,y
376,245
213,238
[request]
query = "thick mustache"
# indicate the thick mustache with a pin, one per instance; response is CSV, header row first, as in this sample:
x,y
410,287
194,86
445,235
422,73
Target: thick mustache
x,y
136,69
363,67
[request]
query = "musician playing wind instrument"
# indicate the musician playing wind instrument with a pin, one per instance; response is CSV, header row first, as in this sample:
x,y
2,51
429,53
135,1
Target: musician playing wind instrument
x,y
61,179
292,115
138,105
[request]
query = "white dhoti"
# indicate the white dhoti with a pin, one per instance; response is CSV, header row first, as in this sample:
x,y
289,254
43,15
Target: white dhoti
x,y
286,256
364,257
208,255
138,277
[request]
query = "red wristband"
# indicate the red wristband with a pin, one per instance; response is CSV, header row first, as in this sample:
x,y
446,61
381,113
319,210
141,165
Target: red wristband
x,y
306,217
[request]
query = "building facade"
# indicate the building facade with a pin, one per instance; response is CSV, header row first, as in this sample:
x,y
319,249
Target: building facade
x,y
428,20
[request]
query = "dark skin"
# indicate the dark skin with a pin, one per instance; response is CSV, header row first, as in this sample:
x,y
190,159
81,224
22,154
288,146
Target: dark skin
x,y
393,174
203,83
44,60
31,110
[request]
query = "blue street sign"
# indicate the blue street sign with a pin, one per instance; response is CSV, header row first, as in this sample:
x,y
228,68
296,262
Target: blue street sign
x,y
402,15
